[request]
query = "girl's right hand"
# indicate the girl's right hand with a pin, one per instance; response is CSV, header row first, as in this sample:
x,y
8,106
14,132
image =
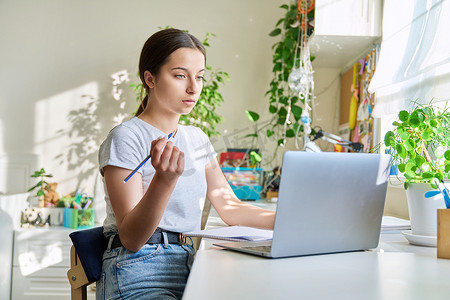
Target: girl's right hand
x,y
167,160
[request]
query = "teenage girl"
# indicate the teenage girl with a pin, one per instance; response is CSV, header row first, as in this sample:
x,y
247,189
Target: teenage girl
x,y
145,258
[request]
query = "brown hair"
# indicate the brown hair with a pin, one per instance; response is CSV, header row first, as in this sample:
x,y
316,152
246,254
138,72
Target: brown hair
x,y
156,52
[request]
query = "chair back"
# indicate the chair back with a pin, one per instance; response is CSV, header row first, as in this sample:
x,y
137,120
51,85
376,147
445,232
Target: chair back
x,y
90,244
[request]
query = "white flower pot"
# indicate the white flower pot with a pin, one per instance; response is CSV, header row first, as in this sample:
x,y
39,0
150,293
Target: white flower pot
x,y
423,211
56,216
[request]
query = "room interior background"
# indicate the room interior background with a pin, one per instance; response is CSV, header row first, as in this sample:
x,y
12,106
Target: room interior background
x,y
66,67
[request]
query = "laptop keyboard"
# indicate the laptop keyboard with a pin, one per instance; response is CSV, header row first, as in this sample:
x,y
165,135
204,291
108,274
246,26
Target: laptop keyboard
x,y
258,248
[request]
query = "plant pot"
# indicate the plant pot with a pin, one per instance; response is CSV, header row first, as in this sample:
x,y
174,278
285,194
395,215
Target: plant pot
x,y
423,211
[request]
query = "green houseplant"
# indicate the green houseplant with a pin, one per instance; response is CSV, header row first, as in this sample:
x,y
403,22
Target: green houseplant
x,y
42,185
204,114
419,144
285,108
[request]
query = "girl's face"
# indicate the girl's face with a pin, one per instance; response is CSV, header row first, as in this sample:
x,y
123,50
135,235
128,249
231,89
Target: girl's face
x,y
177,87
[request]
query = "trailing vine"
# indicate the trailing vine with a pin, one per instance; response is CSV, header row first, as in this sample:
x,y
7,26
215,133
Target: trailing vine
x,y
285,107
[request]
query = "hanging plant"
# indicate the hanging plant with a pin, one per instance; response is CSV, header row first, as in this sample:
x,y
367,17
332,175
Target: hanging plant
x,y
285,107
204,114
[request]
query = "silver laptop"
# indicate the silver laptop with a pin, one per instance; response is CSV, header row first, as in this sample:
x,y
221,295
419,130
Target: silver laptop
x,y
328,202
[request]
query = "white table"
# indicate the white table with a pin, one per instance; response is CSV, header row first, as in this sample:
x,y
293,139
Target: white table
x,y
395,270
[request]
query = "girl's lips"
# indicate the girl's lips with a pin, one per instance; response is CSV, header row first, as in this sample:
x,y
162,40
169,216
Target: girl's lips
x,y
189,102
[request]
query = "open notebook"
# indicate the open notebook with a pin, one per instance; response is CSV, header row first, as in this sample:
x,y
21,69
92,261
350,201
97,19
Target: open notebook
x,y
233,233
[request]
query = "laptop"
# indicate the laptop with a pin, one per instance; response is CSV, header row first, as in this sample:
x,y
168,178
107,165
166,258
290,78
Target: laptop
x,y
327,203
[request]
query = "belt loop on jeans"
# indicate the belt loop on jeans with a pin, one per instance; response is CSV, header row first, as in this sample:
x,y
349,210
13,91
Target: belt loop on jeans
x,y
111,239
165,239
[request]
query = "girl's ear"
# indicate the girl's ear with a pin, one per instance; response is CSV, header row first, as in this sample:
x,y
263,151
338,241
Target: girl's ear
x,y
149,79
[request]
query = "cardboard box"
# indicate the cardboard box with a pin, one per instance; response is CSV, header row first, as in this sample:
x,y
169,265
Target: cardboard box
x,y
443,233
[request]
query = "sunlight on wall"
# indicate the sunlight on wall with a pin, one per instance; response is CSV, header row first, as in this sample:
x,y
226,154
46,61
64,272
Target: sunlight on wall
x,y
59,137
119,79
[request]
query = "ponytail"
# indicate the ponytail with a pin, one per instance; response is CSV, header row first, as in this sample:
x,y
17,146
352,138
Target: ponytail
x,y
142,106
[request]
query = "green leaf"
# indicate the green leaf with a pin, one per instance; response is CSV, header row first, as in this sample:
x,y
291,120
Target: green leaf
x,y
252,116
256,157
433,185
402,167
290,133
410,145
410,167
420,160
403,116
275,32
270,132
285,6
427,175
389,139
404,135
272,109
276,67
447,155
279,22
282,113
297,127
425,136
40,193
401,151
410,174
447,167
286,54
296,111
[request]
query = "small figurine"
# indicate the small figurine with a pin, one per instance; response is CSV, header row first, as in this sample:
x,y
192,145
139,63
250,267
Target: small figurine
x,y
32,217
273,182
51,196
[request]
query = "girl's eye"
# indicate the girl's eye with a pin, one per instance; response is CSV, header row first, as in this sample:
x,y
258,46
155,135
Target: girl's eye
x,y
180,76
199,78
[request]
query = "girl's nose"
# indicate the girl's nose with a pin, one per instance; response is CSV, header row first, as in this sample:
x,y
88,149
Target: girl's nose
x,y
194,86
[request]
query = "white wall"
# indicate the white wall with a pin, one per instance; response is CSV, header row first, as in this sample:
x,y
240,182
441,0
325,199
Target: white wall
x,y
58,57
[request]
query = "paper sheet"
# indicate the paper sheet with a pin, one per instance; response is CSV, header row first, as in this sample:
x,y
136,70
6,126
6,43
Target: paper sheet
x,y
234,233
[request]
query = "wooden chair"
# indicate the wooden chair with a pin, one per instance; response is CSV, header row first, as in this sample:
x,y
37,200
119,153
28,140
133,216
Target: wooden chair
x,y
86,256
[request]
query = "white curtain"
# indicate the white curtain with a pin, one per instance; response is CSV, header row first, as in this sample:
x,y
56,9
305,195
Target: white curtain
x,y
414,60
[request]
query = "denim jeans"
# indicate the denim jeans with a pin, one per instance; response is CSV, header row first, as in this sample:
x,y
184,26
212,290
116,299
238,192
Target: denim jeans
x,y
157,271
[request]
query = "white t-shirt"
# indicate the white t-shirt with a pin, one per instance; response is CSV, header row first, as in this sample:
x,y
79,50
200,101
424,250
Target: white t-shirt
x,y
129,143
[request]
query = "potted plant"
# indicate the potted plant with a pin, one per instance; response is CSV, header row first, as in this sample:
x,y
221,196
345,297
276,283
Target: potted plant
x,y
42,186
419,144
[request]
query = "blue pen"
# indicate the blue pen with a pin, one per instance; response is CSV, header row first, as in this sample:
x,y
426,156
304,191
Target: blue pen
x,y
446,196
142,163
443,191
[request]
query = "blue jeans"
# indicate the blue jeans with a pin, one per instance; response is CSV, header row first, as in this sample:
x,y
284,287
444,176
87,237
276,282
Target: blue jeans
x,y
157,271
